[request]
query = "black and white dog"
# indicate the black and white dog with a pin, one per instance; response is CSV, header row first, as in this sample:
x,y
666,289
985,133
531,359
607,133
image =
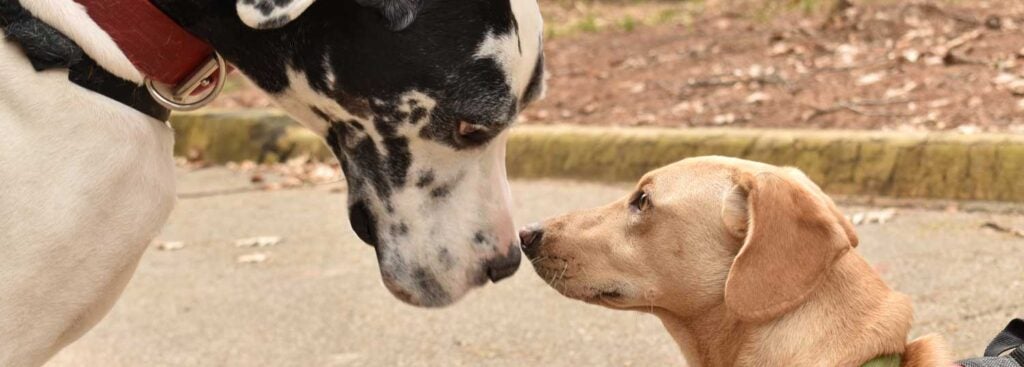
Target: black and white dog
x,y
414,96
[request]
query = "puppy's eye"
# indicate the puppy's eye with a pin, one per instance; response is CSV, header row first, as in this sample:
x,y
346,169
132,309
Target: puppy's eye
x,y
473,134
639,202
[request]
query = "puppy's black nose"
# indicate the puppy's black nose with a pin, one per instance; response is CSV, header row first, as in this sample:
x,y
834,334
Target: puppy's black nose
x,y
531,237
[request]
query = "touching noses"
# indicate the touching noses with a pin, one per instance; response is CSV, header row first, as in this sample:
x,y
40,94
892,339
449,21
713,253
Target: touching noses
x,y
531,237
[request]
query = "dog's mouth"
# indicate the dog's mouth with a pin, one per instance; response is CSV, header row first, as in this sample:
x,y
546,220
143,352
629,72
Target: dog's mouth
x,y
603,297
559,274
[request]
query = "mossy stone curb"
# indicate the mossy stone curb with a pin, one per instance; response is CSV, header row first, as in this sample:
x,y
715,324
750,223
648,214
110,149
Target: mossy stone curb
x,y
902,165
233,136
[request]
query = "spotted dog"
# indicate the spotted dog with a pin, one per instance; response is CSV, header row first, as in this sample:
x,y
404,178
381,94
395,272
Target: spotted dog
x,y
415,98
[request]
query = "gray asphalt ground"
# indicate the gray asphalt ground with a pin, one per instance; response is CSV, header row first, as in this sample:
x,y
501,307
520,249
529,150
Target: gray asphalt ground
x,y
318,301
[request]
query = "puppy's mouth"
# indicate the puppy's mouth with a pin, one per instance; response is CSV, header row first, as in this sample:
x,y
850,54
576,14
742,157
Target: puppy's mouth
x,y
603,297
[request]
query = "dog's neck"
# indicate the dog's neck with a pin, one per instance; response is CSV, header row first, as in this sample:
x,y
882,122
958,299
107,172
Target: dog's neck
x,y
853,317
70,18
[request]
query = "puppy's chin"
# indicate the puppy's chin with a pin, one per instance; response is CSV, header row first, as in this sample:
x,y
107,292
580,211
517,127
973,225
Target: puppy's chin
x,y
614,297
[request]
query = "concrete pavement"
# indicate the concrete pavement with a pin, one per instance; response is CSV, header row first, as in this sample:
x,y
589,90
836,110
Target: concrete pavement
x,y
318,301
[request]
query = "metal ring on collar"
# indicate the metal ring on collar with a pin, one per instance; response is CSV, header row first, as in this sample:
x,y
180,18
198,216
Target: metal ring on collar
x,y
159,91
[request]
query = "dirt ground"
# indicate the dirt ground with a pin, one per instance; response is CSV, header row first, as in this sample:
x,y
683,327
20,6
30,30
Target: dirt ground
x,y
890,65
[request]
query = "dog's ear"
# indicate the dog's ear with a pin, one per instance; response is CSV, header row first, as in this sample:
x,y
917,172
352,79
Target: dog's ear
x,y
269,14
793,235
397,13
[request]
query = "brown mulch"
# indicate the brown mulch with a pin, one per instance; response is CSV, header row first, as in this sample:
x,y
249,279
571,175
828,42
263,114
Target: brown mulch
x,y
914,66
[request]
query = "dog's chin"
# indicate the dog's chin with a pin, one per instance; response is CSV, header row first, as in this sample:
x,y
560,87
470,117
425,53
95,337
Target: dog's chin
x,y
610,297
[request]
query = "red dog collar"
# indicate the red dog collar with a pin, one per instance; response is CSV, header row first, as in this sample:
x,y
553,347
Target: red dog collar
x,y
161,49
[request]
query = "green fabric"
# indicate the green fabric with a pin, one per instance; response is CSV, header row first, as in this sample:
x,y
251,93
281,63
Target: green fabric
x,y
884,361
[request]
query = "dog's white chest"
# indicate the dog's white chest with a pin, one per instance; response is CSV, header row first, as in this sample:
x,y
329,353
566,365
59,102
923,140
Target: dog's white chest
x,y
87,183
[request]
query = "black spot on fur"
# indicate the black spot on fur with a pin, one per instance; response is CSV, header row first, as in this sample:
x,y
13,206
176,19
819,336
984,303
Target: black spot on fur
x,y
429,285
357,106
417,115
480,238
425,179
335,140
321,114
267,6
446,259
372,167
399,230
440,192
399,159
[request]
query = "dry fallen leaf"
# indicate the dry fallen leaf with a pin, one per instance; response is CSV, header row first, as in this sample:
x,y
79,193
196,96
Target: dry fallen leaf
x,y
262,241
873,216
1004,229
758,98
170,245
968,129
901,91
725,119
253,258
911,55
870,79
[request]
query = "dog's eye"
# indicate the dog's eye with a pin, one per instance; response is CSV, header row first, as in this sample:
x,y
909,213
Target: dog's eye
x,y
473,134
640,201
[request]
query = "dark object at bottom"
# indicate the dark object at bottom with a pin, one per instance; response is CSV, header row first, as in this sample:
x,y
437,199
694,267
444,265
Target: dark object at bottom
x,y
1011,340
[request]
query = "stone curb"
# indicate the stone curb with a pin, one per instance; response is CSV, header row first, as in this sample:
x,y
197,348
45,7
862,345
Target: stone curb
x,y
900,165
234,136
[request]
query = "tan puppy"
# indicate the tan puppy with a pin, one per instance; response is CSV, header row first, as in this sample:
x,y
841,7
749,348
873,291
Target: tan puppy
x,y
746,264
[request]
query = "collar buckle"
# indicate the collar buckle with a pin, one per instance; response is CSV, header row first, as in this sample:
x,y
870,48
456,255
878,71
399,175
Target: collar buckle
x,y
194,91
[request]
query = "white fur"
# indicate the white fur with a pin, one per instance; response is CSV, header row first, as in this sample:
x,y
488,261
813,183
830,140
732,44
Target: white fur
x,y
254,18
505,48
87,184
70,18
300,95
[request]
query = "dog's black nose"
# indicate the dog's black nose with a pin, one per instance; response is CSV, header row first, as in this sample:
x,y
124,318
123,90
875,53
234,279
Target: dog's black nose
x,y
531,237
505,266
363,223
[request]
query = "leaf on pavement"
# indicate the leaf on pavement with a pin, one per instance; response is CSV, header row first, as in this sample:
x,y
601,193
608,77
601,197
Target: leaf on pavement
x,y
262,241
1004,229
873,216
169,245
253,258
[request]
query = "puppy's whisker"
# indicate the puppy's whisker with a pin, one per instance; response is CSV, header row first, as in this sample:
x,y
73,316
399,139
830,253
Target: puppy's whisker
x,y
561,275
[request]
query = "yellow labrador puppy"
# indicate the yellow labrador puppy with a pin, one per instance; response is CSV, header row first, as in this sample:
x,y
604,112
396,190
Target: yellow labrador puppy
x,y
746,264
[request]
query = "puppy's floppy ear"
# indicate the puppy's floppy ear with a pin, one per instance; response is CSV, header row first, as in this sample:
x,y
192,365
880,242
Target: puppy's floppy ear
x,y
269,14
397,13
794,236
